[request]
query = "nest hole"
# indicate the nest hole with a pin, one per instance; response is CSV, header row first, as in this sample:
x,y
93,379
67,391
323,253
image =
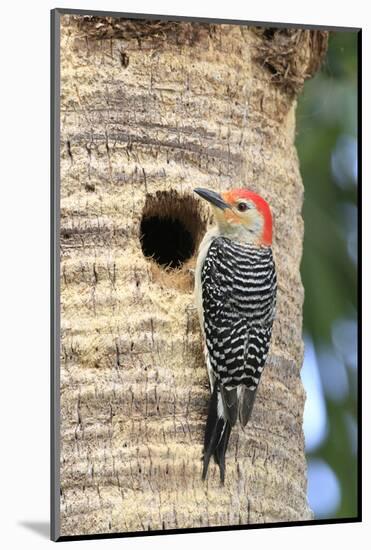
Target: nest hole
x,y
171,228
166,240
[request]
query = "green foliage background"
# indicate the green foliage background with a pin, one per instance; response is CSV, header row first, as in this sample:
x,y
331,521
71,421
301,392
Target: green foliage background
x,y
326,129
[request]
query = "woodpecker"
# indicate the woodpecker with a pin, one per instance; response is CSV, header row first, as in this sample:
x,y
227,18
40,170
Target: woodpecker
x,y
235,294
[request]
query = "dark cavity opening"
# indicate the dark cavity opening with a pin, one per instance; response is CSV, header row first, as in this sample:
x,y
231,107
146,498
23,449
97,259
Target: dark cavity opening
x,y
171,228
167,241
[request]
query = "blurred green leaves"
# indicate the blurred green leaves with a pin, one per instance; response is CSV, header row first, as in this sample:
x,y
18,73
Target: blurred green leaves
x,y
326,143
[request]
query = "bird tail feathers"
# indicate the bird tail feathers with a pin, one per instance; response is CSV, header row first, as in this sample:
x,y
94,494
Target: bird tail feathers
x,y
246,403
217,432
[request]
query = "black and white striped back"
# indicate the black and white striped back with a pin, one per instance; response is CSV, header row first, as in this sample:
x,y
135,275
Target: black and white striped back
x,y
239,296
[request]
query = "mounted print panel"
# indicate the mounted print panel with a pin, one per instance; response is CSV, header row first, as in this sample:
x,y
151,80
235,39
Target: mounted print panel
x,y
177,393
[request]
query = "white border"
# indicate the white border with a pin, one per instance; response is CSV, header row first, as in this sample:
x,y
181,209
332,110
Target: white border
x,y
24,273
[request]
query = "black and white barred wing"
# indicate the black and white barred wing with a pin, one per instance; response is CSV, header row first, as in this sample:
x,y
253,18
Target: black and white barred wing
x,y
239,295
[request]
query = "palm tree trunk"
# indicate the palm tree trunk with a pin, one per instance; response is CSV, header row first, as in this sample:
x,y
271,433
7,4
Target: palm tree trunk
x,y
150,110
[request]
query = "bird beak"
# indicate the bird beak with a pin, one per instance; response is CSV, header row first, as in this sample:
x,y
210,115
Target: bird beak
x,y
213,198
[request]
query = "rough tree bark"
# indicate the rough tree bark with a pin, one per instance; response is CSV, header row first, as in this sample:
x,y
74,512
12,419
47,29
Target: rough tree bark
x,y
149,107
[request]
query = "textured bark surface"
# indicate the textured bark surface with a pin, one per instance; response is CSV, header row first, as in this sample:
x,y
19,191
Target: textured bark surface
x,y
148,108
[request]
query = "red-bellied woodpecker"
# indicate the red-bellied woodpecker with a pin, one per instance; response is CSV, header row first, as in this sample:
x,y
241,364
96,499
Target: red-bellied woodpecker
x,y
235,292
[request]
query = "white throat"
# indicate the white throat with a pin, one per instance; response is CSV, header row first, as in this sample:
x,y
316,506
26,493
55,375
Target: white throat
x,y
240,232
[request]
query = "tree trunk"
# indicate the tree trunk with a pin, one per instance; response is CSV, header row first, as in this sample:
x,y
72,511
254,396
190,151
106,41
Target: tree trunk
x,y
150,110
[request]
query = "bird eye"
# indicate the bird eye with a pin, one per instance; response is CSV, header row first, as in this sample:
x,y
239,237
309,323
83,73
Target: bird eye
x,y
242,207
